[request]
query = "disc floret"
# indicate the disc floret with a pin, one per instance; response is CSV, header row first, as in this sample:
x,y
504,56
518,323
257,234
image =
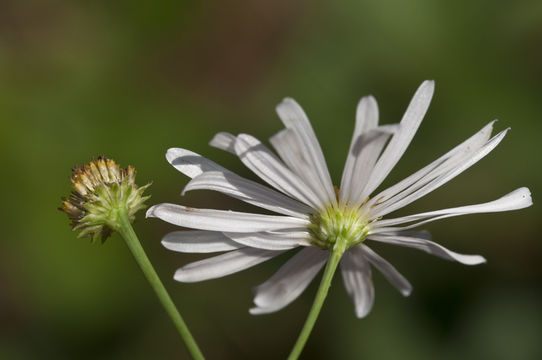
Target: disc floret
x,y
101,190
338,225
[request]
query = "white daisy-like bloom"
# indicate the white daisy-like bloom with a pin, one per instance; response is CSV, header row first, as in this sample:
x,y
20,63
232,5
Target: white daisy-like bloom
x,y
313,215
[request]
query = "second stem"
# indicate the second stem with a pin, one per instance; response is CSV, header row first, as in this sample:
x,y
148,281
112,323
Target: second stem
x,y
130,237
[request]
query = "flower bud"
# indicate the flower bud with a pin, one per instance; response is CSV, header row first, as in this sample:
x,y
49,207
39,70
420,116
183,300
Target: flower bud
x,y
102,191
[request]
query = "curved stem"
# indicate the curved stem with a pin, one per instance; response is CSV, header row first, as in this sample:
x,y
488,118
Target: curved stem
x,y
332,262
130,237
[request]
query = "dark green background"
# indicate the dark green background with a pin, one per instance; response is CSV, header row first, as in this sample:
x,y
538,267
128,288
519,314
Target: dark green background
x,y
130,79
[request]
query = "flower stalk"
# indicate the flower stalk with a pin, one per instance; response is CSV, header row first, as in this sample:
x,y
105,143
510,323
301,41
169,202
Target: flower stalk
x,y
127,232
333,261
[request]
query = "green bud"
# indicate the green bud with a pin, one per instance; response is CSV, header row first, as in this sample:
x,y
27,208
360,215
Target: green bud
x,y
100,190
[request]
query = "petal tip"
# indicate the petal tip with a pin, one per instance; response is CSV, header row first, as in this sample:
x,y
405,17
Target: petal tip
x,y
180,276
367,102
261,310
165,243
406,292
288,99
362,313
171,154
367,98
522,197
287,104
150,212
215,139
528,196
223,141
429,82
474,260
427,88
255,311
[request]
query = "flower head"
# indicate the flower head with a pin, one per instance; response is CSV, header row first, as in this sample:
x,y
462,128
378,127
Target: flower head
x,y
100,189
313,215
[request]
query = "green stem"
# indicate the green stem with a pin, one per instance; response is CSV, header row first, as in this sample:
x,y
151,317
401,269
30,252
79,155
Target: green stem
x,y
130,237
332,262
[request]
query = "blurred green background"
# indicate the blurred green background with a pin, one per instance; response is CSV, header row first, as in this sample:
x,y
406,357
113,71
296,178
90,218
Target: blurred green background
x,y
130,79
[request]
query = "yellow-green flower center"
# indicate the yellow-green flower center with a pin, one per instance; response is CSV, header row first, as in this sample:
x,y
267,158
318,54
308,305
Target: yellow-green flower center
x,y
338,225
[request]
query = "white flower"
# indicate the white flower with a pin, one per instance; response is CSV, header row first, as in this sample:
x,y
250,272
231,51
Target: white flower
x,y
312,214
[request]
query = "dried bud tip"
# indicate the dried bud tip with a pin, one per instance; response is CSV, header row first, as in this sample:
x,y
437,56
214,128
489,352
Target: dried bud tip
x,y
101,192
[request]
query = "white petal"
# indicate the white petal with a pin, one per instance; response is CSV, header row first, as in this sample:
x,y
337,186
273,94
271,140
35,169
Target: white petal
x,y
222,265
220,220
409,125
431,171
429,247
357,280
388,270
421,234
366,115
293,117
364,155
290,281
366,119
248,191
198,241
450,171
193,165
190,163
224,141
271,240
517,199
289,148
286,143
268,167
